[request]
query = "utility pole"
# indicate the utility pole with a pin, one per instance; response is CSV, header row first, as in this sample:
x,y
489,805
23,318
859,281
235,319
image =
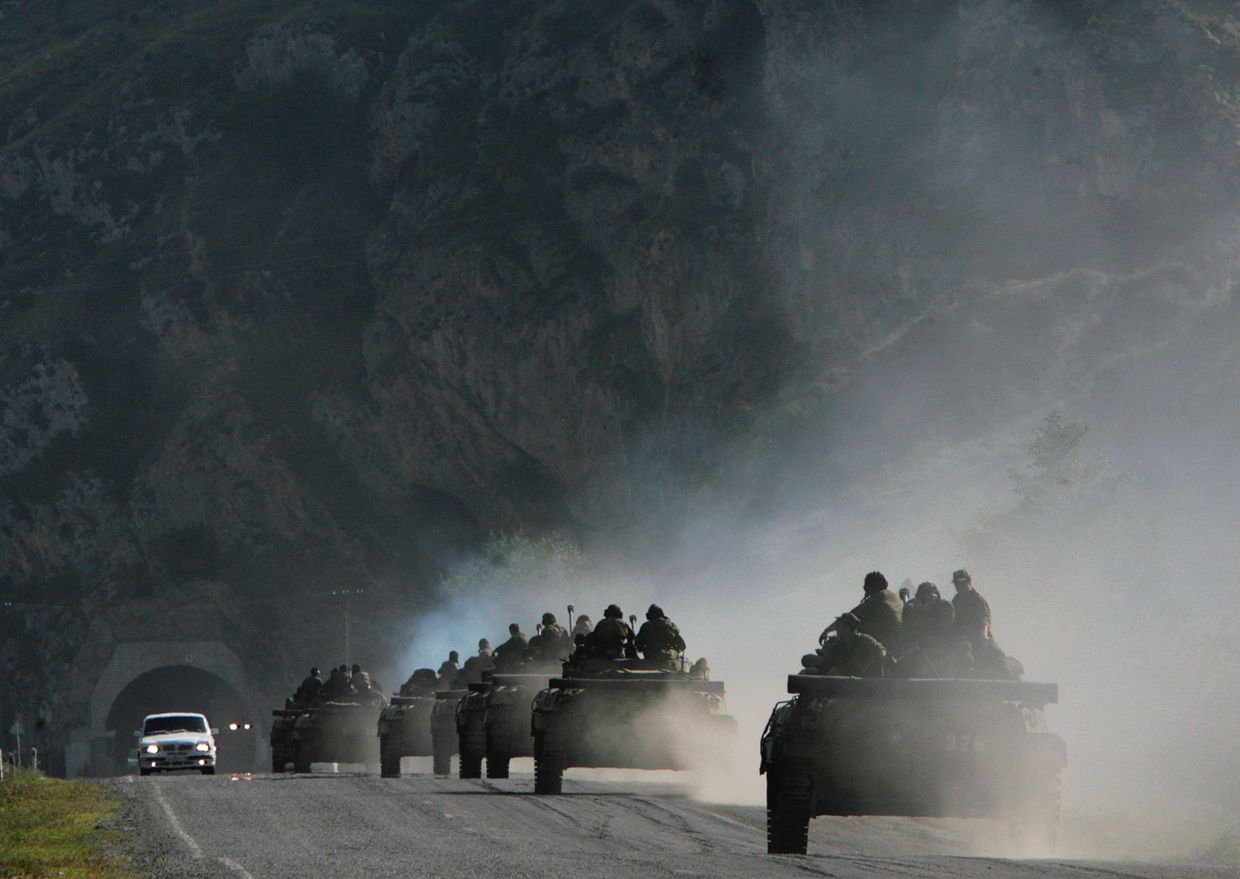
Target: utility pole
x,y
347,595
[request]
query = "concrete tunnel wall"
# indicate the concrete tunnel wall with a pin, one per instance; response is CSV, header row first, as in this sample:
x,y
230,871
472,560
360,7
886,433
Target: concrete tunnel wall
x,y
130,661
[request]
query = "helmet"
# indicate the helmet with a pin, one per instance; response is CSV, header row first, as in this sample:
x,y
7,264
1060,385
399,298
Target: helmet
x,y
548,619
613,611
927,588
849,619
484,644
962,576
314,672
875,582
654,612
453,656
513,628
357,669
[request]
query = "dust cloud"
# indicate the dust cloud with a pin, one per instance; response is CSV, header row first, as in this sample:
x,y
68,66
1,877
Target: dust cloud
x,y
1109,560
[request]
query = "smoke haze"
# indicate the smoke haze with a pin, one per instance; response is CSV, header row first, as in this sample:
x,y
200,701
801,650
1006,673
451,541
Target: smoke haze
x,y
1084,262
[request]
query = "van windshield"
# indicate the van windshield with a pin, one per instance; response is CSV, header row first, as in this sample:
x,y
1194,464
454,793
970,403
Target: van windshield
x,y
174,723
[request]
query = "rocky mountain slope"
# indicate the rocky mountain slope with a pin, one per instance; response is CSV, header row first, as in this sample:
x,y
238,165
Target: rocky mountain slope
x,y
302,294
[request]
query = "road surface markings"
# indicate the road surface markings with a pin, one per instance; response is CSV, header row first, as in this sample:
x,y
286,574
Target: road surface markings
x,y
194,848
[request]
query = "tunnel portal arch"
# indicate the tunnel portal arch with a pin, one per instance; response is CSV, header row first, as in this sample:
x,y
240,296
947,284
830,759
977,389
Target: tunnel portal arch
x,y
198,676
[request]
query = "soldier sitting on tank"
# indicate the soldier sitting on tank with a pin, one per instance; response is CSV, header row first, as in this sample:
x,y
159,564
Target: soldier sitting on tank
x,y
421,683
365,692
583,626
309,689
450,666
851,652
612,638
338,685
879,612
471,671
550,645
510,656
928,620
659,639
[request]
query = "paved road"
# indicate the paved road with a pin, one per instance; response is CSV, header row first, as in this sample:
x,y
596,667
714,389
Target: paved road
x,y
344,825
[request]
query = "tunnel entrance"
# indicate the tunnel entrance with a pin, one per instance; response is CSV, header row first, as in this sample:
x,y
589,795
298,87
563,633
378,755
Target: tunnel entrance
x,y
186,688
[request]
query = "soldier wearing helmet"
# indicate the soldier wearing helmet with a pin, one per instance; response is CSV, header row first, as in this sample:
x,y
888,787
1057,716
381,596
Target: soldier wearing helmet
x,y
879,612
552,644
851,652
659,638
366,692
612,638
450,666
309,689
928,620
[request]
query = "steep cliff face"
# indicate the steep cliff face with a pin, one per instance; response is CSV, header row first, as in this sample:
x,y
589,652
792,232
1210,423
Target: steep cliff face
x,y
301,294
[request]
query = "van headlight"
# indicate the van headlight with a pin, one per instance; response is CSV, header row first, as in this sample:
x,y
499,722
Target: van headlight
x,y
152,749
202,746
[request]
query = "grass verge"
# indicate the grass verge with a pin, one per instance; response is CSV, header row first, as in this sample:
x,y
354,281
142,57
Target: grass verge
x,y
50,827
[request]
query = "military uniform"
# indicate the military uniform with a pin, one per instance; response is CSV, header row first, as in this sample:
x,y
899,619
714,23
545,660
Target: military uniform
x,y
510,655
927,623
448,669
612,638
308,690
552,644
338,685
659,639
971,612
880,613
863,658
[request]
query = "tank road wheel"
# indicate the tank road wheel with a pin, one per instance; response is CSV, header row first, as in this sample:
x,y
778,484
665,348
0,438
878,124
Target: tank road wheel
x,y
441,755
788,798
549,764
389,758
497,763
473,749
301,758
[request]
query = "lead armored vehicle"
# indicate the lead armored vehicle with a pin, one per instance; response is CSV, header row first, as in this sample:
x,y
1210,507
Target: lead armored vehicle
x,y
931,747
334,732
405,724
628,713
283,747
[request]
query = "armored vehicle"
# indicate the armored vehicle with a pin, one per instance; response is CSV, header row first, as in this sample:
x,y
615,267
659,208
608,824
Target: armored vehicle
x,y
443,730
628,713
283,747
404,731
493,722
940,747
333,732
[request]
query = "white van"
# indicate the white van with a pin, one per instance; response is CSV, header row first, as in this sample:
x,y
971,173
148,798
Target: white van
x,y
177,740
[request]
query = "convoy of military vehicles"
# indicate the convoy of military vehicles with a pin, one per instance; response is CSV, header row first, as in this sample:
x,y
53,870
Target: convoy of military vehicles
x,y
946,729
